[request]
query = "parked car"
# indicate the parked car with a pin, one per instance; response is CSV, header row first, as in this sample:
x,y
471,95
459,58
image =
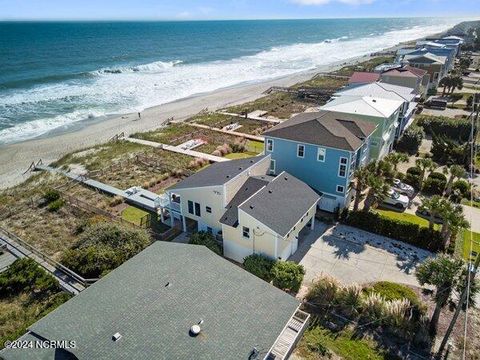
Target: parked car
x,y
397,200
403,188
436,103
426,215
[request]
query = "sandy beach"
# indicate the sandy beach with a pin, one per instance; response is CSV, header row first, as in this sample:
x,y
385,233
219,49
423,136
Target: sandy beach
x,y
16,158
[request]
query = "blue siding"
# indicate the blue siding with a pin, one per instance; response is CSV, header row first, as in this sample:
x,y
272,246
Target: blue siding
x,y
321,176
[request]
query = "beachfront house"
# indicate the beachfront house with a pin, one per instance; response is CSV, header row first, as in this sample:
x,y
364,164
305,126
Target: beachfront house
x,y
432,48
383,113
171,301
363,77
387,91
435,66
244,207
408,76
322,149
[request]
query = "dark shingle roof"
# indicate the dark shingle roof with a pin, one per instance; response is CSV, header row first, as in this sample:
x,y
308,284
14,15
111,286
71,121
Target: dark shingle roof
x,y
325,128
281,203
251,186
218,173
239,310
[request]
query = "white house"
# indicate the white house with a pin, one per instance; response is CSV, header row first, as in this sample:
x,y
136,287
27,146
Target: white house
x,y
386,91
239,203
382,112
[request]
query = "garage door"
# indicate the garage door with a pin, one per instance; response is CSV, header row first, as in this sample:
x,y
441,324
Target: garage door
x,y
327,203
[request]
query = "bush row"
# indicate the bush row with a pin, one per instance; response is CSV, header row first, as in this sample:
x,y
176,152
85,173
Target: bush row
x,y
457,129
285,275
396,229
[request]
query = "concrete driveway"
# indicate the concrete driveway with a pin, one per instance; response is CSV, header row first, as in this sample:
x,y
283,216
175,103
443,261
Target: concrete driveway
x,y
472,215
355,256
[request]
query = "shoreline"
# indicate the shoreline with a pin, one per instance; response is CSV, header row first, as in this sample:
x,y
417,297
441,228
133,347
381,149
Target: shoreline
x,y
15,158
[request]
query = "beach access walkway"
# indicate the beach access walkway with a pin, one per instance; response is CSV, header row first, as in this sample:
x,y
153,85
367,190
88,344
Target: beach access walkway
x,y
229,132
252,117
68,280
136,196
177,149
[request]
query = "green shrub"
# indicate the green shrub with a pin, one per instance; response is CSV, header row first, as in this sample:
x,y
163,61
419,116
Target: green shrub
x,y
24,275
396,229
413,177
393,291
411,140
103,247
455,129
433,186
259,265
206,239
287,275
463,187
56,205
323,292
438,176
51,195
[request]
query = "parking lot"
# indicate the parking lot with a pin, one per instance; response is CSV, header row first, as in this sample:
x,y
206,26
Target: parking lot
x,y
356,256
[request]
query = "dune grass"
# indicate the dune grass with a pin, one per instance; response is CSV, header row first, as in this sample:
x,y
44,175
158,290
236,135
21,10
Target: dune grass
x,y
241,155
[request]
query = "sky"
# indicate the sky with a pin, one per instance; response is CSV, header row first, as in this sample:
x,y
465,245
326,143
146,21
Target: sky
x,y
230,9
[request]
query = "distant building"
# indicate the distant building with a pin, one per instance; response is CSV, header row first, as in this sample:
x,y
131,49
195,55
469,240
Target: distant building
x,y
383,113
322,149
432,48
171,301
408,76
245,208
359,78
435,66
386,91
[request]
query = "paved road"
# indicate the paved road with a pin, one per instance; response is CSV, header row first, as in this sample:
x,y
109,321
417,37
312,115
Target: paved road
x,y
355,256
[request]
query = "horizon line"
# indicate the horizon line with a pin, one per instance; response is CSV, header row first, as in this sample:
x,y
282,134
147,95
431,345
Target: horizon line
x,y
228,19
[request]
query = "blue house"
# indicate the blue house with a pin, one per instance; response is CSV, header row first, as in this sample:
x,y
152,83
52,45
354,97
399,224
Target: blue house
x,y
322,149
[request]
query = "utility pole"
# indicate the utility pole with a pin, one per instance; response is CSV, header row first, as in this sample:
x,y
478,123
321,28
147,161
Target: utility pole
x,y
471,270
462,300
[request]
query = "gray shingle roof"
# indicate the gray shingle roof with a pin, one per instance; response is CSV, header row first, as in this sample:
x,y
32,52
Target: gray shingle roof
x,y
251,186
239,310
281,203
217,174
325,128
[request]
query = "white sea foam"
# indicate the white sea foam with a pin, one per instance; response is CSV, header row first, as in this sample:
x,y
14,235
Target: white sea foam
x,y
134,88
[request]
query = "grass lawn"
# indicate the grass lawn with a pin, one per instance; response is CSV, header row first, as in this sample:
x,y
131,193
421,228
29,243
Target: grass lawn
x,y
466,243
133,215
255,146
405,217
343,344
240,155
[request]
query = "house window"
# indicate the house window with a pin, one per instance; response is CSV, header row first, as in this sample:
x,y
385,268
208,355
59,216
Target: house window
x,y
340,189
209,230
321,154
197,209
208,209
301,151
342,167
269,145
272,166
190,207
246,232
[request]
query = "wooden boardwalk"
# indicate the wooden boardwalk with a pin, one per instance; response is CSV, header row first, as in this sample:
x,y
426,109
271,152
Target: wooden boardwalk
x,y
69,280
176,149
229,132
251,117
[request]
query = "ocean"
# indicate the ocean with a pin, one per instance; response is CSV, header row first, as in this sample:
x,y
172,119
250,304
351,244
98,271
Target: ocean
x,y
54,75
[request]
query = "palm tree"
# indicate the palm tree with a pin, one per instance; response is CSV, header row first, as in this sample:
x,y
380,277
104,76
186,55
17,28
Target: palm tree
x,y
377,191
456,171
425,164
361,175
445,274
435,206
396,158
453,222
446,83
